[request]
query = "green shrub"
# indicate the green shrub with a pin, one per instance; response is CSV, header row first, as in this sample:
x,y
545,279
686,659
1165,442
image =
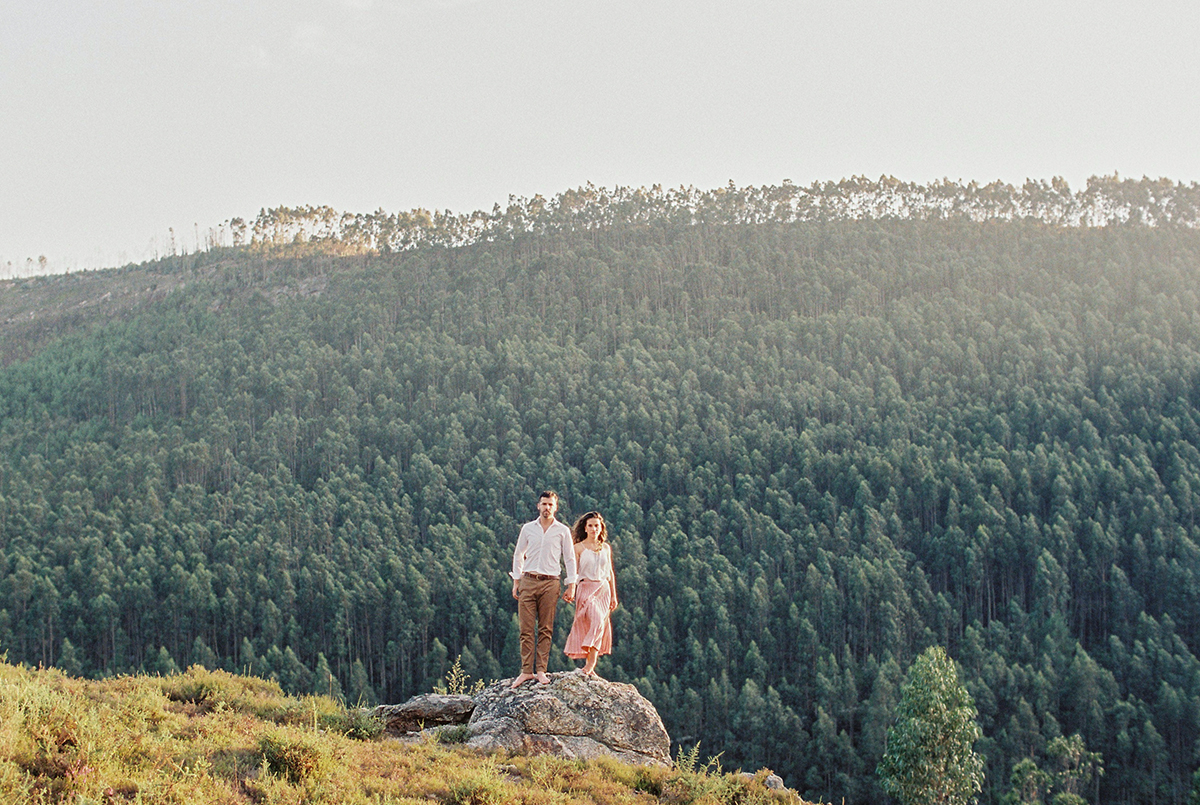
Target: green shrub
x,y
292,758
482,787
649,781
457,734
353,722
218,690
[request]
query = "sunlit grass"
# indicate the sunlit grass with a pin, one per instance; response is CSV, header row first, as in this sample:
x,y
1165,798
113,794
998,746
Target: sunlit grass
x,y
211,737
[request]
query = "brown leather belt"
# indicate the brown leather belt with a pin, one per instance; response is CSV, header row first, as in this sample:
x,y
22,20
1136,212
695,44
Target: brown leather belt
x,y
540,576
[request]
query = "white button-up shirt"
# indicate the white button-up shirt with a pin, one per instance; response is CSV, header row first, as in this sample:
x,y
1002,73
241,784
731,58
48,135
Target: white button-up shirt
x,y
541,551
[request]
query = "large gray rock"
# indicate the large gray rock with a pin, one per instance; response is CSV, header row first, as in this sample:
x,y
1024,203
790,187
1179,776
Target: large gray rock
x,y
424,712
574,717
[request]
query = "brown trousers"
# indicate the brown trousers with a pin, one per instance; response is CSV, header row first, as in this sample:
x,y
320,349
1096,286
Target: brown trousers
x,y
537,601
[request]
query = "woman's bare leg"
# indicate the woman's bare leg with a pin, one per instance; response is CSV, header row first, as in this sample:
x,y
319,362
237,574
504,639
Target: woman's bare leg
x,y
589,665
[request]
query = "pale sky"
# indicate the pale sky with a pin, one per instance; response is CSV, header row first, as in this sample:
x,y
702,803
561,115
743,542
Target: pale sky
x,y
120,120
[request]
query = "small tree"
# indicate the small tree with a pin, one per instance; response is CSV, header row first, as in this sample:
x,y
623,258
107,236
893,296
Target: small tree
x,y
1028,784
1076,768
930,757
1073,768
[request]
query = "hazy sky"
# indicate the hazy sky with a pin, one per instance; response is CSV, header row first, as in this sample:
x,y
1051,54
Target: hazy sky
x,y
121,119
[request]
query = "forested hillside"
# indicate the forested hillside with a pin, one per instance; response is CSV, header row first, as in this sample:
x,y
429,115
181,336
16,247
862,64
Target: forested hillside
x,y
822,442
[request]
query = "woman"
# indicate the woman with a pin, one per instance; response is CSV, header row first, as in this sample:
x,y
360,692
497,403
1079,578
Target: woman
x,y
595,594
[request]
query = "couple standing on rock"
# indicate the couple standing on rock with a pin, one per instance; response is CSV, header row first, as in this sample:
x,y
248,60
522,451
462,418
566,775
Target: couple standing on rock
x,y
542,545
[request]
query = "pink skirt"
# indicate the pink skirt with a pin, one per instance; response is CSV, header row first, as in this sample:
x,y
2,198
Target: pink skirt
x,y
592,628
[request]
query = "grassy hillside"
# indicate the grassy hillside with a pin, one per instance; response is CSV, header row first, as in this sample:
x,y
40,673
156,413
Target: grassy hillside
x,y
212,737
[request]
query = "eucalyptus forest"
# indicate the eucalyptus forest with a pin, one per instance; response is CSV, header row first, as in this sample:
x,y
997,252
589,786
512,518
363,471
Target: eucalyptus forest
x,y
829,428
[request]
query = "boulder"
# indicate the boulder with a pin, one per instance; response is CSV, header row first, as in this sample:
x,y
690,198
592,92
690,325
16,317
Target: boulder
x,y
425,712
574,717
772,781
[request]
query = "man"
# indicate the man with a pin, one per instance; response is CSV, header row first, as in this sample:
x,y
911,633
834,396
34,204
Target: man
x,y
541,546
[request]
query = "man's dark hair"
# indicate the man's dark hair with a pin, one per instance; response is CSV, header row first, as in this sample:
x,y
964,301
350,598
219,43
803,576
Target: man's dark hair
x,y
549,493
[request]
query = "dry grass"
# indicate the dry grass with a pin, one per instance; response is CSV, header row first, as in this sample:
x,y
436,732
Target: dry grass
x,y
205,737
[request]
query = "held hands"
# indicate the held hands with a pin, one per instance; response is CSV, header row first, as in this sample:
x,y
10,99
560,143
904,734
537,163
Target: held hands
x,y
569,594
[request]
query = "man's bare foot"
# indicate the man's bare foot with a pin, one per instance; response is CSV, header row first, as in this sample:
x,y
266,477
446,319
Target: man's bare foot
x,y
542,678
521,680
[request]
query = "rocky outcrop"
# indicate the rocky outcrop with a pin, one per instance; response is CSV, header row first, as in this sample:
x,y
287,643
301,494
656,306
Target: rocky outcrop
x,y
772,781
425,712
573,717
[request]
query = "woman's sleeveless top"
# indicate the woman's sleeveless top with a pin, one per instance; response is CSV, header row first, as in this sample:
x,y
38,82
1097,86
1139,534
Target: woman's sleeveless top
x,y
595,565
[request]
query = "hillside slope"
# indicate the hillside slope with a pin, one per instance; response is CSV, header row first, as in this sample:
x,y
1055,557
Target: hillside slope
x,y
211,737
820,445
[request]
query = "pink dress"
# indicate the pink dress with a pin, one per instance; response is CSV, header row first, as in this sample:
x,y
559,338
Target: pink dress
x,y
593,597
